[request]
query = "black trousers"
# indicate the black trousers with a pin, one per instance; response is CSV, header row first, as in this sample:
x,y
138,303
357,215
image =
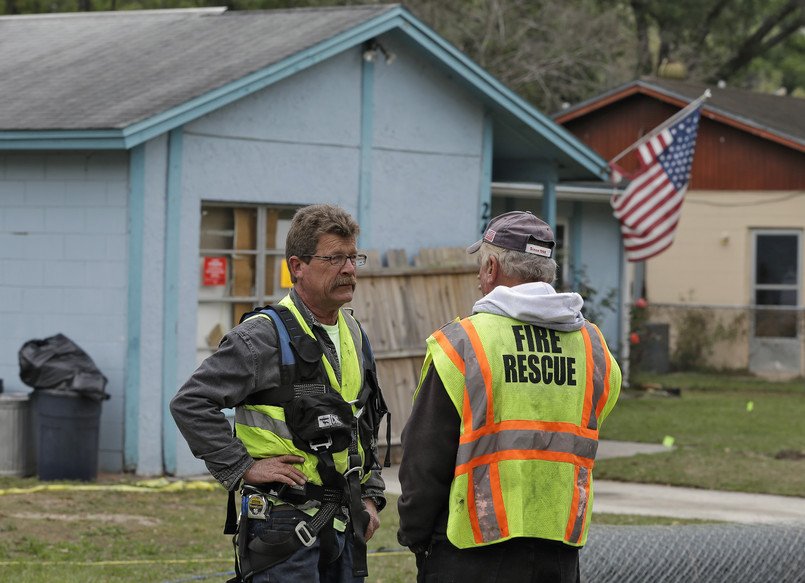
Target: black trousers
x,y
518,560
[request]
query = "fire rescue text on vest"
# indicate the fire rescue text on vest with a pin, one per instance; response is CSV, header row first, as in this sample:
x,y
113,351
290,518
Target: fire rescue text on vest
x,y
527,366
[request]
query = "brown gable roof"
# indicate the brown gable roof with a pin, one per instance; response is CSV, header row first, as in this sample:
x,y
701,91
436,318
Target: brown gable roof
x,y
778,118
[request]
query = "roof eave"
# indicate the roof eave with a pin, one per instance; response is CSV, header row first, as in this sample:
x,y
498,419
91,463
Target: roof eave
x,y
397,17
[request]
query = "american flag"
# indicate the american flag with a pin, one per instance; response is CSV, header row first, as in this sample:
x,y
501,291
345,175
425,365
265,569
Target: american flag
x,y
649,208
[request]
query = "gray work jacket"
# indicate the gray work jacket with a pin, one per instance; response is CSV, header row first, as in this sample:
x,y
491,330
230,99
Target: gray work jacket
x,y
247,361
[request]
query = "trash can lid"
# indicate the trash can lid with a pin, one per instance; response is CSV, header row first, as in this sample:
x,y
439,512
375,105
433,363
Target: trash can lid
x,y
14,396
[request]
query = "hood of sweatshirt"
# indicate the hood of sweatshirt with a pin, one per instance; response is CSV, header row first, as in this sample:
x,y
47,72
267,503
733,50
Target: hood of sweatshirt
x,y
536,303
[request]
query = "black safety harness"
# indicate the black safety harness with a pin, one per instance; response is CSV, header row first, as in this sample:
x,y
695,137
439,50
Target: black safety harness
x,y
321,423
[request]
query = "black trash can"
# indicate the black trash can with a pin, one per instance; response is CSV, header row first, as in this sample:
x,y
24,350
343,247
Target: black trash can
x,y
67,445
68,391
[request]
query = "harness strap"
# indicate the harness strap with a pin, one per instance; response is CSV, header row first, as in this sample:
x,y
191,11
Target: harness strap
x,y
300,354
259,555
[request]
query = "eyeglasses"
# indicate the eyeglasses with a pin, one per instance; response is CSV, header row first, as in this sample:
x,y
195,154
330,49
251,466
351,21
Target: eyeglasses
x,y
341,260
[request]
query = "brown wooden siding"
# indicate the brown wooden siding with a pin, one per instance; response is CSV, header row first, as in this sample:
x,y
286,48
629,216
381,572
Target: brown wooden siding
x,y
727,158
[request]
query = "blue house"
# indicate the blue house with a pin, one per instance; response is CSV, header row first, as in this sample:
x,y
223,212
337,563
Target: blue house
x,y
150,162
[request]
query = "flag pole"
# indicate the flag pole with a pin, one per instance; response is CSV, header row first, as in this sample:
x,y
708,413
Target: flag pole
x,y
681,113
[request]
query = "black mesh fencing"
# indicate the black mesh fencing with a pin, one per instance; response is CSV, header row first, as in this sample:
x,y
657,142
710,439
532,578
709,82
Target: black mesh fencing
x,y
712,553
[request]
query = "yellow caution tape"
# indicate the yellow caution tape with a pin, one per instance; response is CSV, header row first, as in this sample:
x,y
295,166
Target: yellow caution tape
x,y
107,563
166,561
154,485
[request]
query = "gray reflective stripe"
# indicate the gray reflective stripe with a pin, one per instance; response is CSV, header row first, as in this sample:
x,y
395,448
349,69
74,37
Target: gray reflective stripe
x,y
252,418
357,340
529,439
473,378
599,365
485,504
581,508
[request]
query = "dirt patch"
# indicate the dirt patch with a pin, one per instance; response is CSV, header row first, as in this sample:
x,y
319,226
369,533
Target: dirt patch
x,y
105,518
788,454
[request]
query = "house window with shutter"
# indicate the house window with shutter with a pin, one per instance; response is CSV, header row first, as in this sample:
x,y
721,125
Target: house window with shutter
x,y
777,280
241,265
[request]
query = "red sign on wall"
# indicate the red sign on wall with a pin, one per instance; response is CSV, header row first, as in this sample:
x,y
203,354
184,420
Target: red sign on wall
x,y
215,271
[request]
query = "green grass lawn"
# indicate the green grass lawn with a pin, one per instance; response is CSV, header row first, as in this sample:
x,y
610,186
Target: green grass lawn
x,y
106,536
748,440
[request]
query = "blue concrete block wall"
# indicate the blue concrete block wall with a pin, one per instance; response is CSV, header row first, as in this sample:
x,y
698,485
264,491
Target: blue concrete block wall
x,y
63,250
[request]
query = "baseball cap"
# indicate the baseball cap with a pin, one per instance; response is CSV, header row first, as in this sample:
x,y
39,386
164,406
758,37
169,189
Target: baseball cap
x,y
520,231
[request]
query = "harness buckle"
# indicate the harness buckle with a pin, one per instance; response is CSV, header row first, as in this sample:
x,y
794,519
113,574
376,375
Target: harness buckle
x,y
322,444
306,535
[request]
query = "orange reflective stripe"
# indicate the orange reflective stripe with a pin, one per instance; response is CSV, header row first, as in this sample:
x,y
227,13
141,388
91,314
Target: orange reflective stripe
x,y
483,364
476,526
589,385
524,454
602,401
571,523
579,506
553,426
451,353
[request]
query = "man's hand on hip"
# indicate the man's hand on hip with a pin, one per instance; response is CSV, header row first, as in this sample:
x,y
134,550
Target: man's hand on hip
x,y
277,469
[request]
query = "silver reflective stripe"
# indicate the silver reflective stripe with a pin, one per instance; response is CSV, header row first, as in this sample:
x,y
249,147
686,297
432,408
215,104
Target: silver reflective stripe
x,y
581,508
252,418
527,439
473,378
485,503
599,365
357,340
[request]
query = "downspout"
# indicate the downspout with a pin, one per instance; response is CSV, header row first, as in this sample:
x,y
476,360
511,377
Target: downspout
x,y
131,401
487,154
548,176
367,118
170,333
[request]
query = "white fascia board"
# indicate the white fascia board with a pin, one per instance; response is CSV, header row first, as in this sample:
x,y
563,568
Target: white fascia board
x,y
563,192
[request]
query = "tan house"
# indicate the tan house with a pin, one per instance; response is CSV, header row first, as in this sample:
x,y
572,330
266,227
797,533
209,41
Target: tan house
x,y
730,287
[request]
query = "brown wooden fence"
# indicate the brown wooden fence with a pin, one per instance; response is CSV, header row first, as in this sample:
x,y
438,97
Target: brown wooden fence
x,y
400,306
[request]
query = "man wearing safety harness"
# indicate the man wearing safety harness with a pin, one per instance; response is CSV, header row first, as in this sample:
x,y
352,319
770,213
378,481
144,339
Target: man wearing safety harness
x,y
498,452
301,377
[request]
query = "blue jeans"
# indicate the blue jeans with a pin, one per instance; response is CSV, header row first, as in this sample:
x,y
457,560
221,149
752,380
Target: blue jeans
x,y
303,565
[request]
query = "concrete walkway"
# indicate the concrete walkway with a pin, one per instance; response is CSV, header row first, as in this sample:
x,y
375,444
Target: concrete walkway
x,y
656,500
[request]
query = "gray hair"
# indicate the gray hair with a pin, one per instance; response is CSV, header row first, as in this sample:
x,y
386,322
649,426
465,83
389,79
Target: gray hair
x,y
525,267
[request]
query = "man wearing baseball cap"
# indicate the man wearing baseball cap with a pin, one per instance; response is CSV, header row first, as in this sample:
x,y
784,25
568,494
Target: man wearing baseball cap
x,y
498,452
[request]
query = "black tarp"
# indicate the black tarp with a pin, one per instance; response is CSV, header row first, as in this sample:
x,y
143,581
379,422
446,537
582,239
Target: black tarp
x,y
59,364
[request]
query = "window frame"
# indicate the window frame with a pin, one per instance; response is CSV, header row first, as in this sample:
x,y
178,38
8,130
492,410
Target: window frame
x,y
782,287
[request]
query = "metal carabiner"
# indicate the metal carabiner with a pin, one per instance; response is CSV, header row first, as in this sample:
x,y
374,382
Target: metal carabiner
x,y
358,469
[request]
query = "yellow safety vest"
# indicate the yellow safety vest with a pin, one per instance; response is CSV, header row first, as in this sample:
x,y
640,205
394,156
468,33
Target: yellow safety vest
x,y
531,402
262,428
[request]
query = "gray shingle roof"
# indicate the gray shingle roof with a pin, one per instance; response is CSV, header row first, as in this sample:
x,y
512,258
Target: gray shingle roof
x,y
85,71
782,115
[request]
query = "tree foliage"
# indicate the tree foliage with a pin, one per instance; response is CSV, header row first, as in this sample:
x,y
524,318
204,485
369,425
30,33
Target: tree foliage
x,y
563,51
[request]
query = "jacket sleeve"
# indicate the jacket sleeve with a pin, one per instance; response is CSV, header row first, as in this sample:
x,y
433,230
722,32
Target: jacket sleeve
x,y
429,444
246,358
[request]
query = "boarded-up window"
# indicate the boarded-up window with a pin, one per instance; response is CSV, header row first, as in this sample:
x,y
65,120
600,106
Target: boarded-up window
x,y
242,258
